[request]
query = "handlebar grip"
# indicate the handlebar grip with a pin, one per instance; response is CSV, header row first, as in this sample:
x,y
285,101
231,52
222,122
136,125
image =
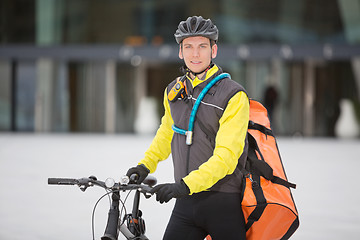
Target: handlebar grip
x,y
62,181
150,180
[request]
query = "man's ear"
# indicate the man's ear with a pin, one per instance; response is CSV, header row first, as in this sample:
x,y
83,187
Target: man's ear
x,y
214,50
181,56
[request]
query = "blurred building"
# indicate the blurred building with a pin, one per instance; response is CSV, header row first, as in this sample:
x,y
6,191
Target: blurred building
x,y
85,66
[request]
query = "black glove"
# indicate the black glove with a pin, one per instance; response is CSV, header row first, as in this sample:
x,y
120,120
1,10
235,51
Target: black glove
x,y
140,170
167,191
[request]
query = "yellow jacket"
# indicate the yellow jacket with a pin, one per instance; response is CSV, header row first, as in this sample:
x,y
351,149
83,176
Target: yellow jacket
x,y
230,141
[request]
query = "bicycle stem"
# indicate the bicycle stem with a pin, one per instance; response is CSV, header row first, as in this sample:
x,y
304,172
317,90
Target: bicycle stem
x,y
111,231
135,210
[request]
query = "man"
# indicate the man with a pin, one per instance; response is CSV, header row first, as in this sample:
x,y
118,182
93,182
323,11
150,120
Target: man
x,y
208,182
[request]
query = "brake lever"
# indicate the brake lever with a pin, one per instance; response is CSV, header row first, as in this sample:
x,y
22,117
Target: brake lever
x,y
84,183
146,191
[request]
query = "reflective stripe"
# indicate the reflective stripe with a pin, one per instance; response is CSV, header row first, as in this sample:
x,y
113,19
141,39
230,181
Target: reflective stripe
x,y
209,104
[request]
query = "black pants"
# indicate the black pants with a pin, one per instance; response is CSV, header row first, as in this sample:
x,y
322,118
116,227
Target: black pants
x,y
215,213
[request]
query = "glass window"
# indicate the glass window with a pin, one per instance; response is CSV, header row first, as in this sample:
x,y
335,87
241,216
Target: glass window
x,y
147,22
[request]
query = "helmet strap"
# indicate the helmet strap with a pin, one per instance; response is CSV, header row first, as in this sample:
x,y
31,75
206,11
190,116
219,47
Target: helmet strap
x,y
184,69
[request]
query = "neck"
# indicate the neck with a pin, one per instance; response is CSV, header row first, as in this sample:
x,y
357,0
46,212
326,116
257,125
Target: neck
x,y
199,75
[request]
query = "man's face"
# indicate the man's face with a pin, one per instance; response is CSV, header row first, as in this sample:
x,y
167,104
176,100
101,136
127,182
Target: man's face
x,y
197,53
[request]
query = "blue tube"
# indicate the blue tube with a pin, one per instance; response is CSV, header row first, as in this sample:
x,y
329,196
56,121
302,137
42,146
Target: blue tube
x,y
178,130
189,133
201,96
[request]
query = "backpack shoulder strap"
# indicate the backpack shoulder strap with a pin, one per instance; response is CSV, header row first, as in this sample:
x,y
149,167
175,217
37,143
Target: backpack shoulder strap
x,y
261,128
259,166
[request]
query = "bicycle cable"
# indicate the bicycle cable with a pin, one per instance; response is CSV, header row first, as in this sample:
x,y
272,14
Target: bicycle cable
x,y
124,208
95,206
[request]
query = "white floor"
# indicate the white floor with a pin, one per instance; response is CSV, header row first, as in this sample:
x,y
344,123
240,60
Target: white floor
x,y
325,171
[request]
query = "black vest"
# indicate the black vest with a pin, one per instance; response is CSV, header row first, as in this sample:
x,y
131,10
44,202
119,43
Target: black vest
x,y
206,126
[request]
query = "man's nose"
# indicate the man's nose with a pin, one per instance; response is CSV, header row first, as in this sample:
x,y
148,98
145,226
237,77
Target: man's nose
x,y
196,52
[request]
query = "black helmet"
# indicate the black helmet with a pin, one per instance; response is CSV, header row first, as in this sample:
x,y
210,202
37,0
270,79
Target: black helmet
x,y
196,26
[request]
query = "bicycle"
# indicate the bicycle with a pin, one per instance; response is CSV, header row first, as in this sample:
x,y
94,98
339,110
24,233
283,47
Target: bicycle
x,y
132,225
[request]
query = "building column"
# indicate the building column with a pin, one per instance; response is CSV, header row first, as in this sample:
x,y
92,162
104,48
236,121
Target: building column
x,y
355,62
44,95
140,97
5,95
250,76
296,98
92,107
280,81
110,96
309,97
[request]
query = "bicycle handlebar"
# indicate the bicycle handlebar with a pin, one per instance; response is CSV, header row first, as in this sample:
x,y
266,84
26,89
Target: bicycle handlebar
x,y
62,181
125,184
109,183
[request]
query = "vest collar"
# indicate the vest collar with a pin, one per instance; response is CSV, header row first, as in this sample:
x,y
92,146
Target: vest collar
x,y
208,74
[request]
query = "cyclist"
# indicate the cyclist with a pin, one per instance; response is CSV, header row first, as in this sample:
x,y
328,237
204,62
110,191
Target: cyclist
x,y
207,184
